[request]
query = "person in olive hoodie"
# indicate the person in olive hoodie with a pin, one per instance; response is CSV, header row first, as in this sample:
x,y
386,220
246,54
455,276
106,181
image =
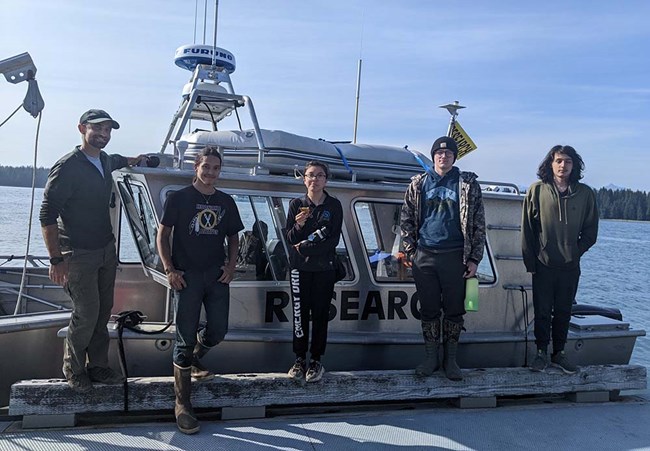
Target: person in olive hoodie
x,y
559,224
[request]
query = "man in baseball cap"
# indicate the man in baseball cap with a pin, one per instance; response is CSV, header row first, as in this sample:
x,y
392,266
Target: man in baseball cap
x,y
97,116
445,248
76,223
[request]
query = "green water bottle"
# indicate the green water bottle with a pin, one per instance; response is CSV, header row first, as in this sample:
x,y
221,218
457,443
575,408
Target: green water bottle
x,y
471,294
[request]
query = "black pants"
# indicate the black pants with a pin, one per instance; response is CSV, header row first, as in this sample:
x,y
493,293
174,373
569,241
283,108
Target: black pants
x,y
311,294
553,293
440,284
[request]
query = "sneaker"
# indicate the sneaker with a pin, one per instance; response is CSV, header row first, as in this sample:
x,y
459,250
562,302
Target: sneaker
x,y
297,371
80,383
199,371
104,375
315,371
540,362
561,361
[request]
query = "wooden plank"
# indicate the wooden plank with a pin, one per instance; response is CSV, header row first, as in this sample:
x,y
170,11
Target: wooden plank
x,y
48,397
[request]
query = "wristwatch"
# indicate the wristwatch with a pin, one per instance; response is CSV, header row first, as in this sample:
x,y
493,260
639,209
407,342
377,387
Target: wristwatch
x,y
56,260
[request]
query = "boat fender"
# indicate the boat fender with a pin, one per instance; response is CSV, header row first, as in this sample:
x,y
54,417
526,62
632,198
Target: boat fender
x,y
586,310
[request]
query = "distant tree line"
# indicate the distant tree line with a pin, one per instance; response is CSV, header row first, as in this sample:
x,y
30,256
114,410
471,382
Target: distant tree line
x,y
612,204
22,176
623,204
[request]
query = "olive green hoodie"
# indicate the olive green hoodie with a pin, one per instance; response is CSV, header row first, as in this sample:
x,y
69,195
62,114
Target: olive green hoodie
x,y
556,230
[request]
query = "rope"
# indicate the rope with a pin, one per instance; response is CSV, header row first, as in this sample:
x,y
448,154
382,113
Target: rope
x,y
31,214
418,159
11,115
345,160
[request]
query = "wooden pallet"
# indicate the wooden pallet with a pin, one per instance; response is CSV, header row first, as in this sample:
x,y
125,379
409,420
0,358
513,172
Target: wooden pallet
x,y
479,388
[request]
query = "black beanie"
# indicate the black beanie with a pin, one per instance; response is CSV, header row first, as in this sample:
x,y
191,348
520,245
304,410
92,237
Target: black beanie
x,y
446,143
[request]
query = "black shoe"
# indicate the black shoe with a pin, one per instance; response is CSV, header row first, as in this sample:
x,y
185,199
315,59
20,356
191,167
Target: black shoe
x,y
540,362
561,361
104,375
315,371
80,383
297,371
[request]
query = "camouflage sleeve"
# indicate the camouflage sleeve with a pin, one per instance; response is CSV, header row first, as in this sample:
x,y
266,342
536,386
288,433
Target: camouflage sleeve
x,y
408,220
478,223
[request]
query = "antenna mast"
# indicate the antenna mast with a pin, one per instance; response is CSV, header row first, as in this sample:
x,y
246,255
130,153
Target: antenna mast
x,y
356,107
453,110
214,41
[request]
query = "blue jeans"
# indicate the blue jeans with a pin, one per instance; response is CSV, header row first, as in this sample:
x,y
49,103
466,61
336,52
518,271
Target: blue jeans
x,y
203,289
91,279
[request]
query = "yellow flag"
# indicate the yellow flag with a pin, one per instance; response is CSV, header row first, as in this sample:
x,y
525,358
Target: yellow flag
x,y
465,143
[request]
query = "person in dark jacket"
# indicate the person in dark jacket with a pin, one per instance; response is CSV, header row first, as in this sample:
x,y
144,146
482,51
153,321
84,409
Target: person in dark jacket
x,y
76,224
443,231
313,231
559,224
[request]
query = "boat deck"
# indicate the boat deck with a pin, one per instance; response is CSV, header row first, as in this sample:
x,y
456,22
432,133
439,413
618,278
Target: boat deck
x,y
543,423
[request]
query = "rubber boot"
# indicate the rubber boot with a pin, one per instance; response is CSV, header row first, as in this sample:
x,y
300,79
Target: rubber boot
x,y
199,371
185,418
431,334
451,334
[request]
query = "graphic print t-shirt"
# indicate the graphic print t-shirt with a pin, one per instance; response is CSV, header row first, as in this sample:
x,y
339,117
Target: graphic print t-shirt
x,y
440,228
201,225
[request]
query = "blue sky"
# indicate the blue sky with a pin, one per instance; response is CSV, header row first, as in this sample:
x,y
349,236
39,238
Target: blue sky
x,y
532,75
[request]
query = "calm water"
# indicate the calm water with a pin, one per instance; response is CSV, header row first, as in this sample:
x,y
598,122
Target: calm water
x,y
614,272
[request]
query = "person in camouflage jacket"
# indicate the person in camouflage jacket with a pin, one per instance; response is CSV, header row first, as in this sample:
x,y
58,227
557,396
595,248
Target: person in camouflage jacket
x,y
443,234
472,216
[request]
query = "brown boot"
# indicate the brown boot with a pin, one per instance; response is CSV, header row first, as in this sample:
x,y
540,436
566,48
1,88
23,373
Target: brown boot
x,y
431,334
451,334
199,371
185,418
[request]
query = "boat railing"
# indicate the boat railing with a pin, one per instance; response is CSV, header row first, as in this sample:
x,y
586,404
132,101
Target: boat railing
x,y
205,99
33,261
499,187
10,277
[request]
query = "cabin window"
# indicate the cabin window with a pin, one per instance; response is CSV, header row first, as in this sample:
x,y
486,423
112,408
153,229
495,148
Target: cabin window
x,y
379,225
142,222
261,254
127,249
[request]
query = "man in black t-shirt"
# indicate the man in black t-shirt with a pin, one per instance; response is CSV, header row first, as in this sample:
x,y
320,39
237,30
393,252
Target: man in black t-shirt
x,y
200,218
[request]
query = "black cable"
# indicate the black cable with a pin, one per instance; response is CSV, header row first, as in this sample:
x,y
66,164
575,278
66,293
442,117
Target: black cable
x,y
238,118
125,371
149,332
524,300
130,319
214,122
